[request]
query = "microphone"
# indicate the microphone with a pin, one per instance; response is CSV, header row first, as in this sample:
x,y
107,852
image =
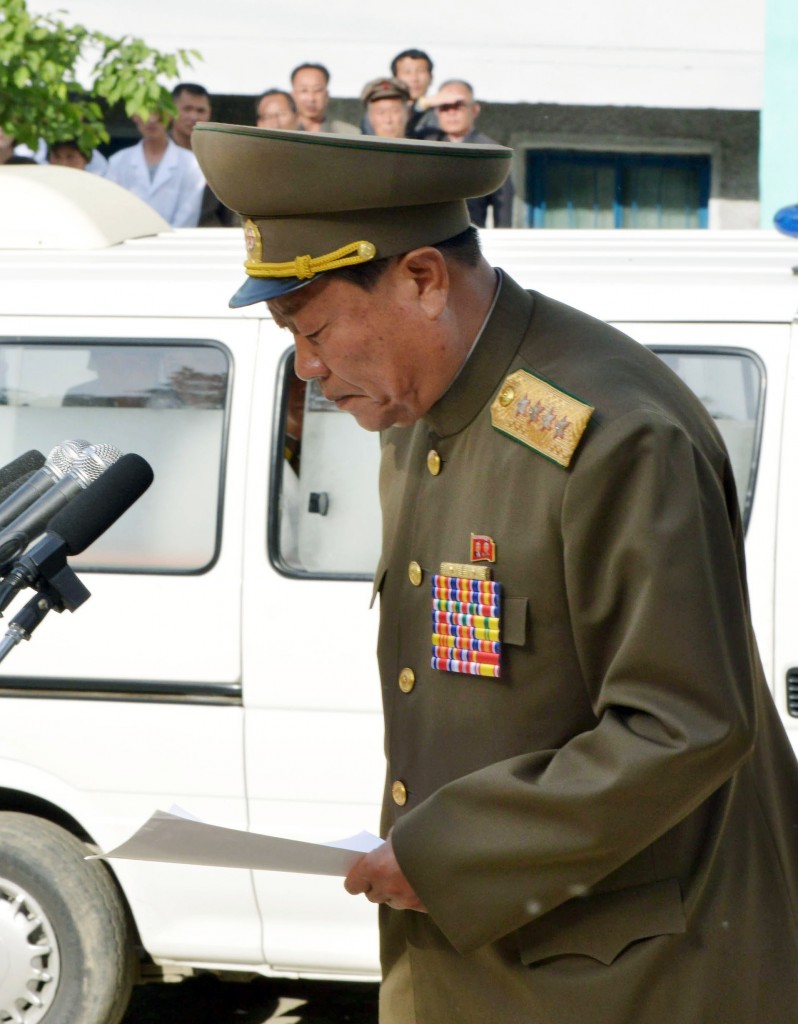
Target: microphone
x,y
47,473
30,523
97,508
17,472
72,530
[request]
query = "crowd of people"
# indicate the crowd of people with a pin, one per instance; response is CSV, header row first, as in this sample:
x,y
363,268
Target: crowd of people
x,y
161,168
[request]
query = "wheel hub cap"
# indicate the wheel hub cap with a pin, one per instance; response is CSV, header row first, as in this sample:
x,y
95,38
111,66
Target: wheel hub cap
x,y
29,966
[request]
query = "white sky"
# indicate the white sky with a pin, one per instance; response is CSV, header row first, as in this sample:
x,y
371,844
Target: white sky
x,y
694,53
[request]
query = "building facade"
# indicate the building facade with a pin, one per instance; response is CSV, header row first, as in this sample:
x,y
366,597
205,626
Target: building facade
x,y
621,114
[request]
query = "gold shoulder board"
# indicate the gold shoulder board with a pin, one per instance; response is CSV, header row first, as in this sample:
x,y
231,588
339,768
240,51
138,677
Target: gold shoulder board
x,y
540,416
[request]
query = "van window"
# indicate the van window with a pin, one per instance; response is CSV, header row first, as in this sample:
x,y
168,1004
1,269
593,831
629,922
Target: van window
x,y
166,401
731,384
325,517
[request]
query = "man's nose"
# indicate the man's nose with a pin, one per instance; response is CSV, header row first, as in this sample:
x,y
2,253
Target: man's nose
x,y
307,364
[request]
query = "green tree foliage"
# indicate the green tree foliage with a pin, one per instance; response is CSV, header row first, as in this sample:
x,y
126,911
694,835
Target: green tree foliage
x,y
40,96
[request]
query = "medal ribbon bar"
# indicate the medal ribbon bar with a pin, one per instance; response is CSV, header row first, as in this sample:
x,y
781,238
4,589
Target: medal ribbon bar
x,y
466,625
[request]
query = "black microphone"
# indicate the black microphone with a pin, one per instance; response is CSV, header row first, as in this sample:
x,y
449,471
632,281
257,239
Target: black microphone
x,y
57,463
30,523
97,508
17,472
73,529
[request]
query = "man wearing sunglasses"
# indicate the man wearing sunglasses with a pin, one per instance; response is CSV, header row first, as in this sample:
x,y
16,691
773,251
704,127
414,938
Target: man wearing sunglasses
x,y
457,114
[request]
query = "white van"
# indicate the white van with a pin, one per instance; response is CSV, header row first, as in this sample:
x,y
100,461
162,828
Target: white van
x,y
225,662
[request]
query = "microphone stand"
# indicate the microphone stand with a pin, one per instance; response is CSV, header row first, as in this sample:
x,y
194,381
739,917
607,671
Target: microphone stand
x,y
24,623
57,585
45,569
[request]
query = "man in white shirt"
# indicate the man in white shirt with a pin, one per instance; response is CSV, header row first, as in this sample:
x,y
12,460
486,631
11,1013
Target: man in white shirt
x,y
161,173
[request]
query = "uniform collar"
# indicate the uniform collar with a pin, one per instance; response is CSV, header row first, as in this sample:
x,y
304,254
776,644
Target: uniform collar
x,y
487,364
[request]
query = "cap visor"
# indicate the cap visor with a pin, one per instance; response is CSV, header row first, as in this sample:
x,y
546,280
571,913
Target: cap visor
x,y
260,289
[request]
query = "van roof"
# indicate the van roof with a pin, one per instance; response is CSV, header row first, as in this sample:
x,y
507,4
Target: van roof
x,y
45,207
644,275
73,244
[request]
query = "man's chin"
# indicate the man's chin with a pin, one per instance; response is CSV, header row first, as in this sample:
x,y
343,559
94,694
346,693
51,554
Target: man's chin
x,y
373,421
377,421
368,414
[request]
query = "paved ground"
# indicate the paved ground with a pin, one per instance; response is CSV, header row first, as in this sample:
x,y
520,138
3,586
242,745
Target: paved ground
x,y
205,1000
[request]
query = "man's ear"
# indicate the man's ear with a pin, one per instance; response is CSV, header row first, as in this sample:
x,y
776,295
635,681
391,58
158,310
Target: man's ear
x,y
426,272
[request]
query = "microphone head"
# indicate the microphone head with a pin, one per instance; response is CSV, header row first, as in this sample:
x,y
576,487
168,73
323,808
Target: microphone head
x,y
65,454
94,461
97,508
23,466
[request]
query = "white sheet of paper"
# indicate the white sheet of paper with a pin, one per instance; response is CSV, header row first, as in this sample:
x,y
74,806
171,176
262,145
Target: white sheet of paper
x,y
177,837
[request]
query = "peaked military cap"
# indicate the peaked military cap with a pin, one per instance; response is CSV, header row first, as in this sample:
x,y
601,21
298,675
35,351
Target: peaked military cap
x,y
313,201
384,89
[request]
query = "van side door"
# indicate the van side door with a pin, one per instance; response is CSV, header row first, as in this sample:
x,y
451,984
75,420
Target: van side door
x,y
314,758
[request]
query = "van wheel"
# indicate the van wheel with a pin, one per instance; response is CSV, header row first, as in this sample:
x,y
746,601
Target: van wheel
x,y
66,955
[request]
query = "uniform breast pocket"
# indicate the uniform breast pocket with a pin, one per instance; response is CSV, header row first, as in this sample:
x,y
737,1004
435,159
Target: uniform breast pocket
x,y
515,621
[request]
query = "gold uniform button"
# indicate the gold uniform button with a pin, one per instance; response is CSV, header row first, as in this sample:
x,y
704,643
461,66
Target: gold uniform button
x,y
399,793
415,573
433,462
407,680
506,395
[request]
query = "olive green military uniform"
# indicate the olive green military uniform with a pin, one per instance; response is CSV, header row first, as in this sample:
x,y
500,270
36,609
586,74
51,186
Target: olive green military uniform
x,y
607,833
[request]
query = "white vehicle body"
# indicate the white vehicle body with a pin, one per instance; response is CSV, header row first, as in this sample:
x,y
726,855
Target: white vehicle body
x,y
206,671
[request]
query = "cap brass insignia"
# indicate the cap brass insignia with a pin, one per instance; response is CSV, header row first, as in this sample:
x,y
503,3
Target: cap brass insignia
x,y
253,241
540,416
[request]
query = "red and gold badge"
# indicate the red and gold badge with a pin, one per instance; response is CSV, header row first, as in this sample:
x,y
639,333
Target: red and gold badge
x,y
483,548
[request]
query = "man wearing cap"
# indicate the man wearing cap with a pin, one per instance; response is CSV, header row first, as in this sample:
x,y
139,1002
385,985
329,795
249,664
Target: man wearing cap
x,y
386,102
590,808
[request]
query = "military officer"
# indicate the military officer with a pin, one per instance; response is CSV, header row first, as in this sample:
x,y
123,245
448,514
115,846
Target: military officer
x,y
590,809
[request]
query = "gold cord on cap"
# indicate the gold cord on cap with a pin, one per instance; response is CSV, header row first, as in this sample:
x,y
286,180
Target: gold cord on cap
x,y
305,267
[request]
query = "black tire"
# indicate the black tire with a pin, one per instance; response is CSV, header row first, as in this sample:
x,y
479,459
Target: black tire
x,y
66,955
